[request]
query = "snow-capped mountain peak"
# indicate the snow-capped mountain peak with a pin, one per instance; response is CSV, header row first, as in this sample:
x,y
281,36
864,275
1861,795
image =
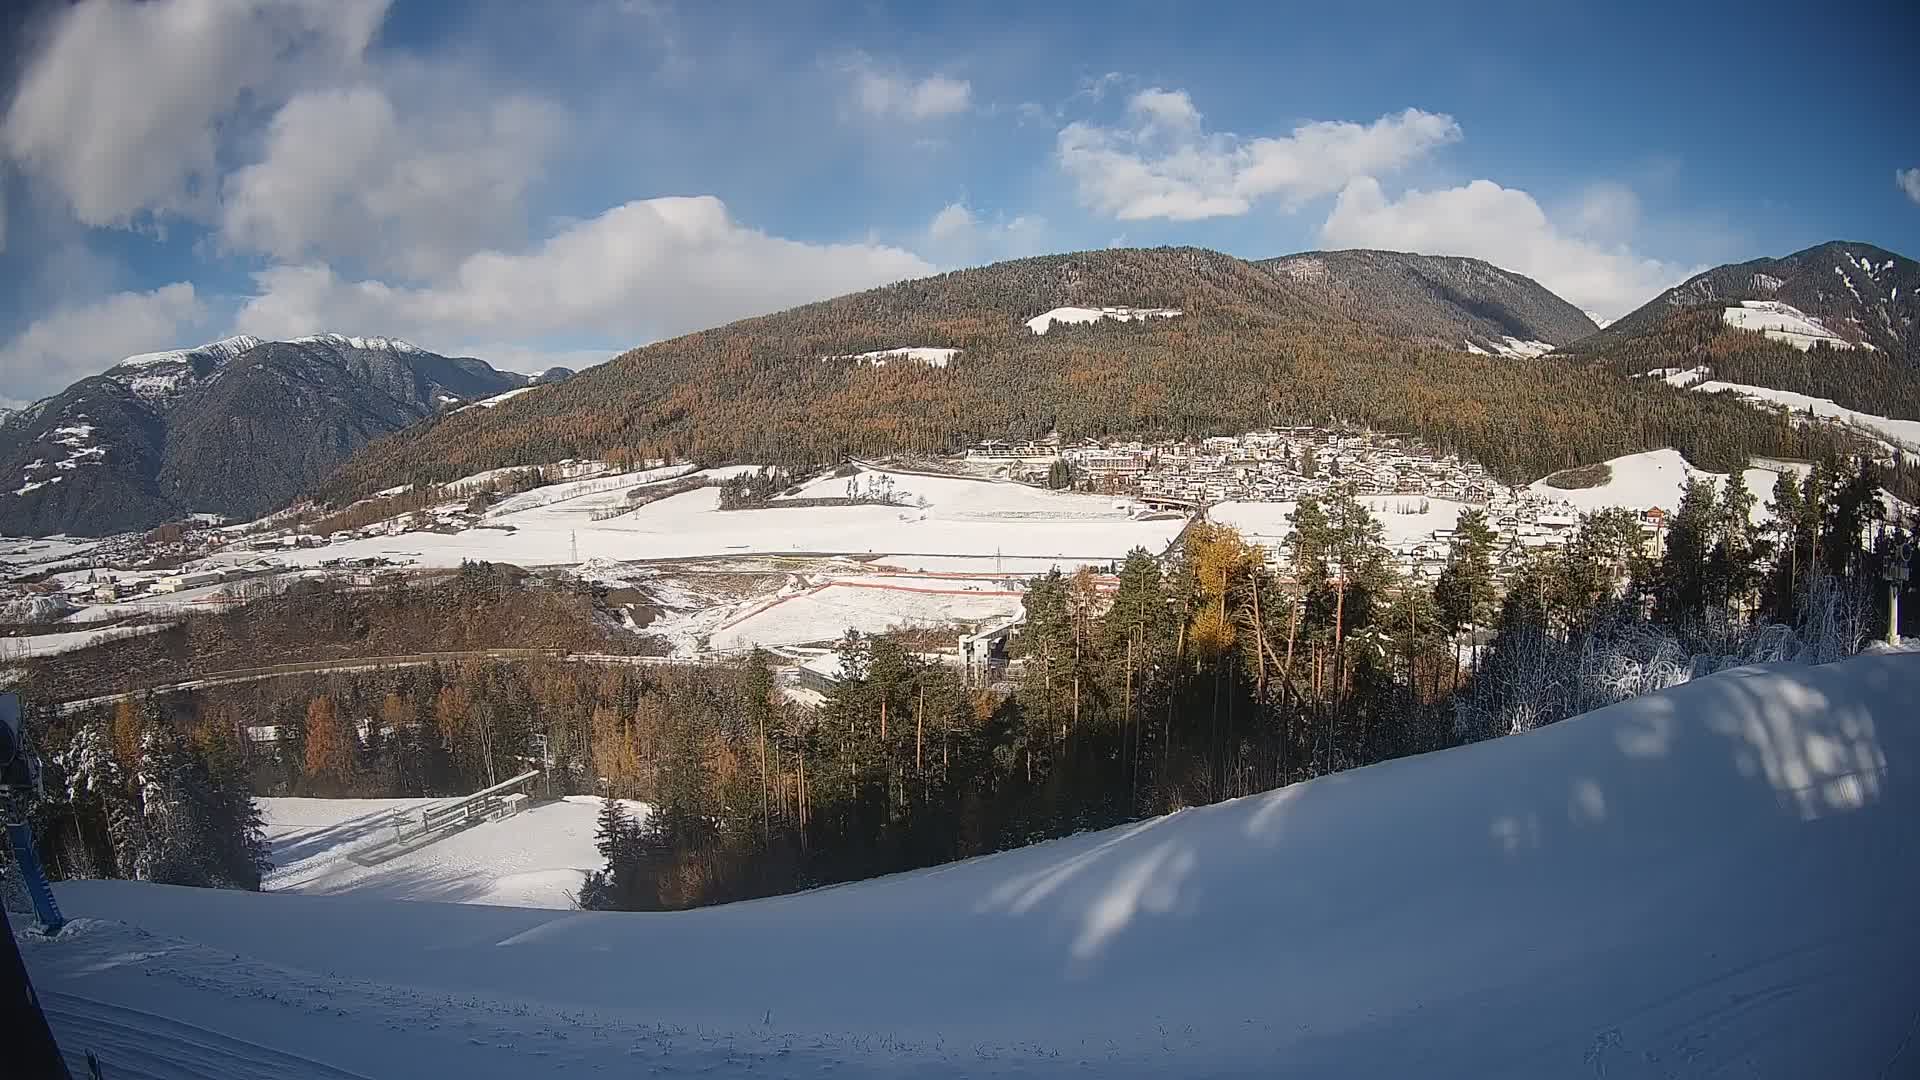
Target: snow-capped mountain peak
x,y
1599,320
224,349
156,376
346,341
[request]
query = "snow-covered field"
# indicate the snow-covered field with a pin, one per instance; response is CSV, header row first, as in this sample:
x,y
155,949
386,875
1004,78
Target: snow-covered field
x,y
928,355
1399,516
1904,434
1783,322
27,646
1043,322
1715,880
827,611
1657,478
535,859
943,516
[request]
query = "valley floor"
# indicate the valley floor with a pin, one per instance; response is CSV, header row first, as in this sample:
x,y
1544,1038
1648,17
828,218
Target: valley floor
x,y
1715,880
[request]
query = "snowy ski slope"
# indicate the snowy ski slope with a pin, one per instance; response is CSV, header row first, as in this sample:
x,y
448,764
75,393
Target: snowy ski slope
x,y
535,859
1715,880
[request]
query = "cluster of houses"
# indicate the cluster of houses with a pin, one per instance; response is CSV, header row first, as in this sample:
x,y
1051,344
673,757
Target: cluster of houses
x,y
1279,466
1396,473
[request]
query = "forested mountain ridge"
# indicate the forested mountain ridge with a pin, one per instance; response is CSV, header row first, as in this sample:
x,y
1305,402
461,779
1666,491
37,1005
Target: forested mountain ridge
x,y
1249,348
1860,292
236,427
1441,300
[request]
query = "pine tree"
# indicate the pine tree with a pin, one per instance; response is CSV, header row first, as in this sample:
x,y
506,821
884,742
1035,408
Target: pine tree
x,y
614,833
95,777
1786,539
1683,590
1732,571
179,803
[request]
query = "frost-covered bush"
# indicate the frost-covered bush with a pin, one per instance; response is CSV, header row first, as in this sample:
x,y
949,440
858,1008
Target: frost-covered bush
x,y
1530,677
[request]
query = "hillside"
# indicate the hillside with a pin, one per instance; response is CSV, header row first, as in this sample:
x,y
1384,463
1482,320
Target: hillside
x,y
1442,301
236,427
1683,884
1847,294
1223,345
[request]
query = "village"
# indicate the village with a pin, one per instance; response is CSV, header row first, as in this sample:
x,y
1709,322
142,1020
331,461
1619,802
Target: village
x,y
1252,481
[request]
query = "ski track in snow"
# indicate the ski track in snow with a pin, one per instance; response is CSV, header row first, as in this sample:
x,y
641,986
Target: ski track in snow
x,y
1714,880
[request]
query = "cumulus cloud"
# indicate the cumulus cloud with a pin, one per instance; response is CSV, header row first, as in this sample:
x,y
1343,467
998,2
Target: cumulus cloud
x,y
122,109
891,93
1164,164
347,175
1504,226
957,236
1606,212
640,271
74,342
1909,181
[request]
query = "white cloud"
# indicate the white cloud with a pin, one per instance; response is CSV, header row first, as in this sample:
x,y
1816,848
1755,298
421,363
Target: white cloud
x,y
122,110
1909,181
640,271
959,237
1504,226
891,93
1606,212
346,175
74,342
1165,165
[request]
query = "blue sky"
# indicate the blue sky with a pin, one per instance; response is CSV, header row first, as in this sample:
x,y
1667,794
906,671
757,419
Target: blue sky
x,y
555,183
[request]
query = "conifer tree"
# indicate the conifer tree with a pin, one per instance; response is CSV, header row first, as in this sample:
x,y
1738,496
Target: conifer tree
x,y
1683,591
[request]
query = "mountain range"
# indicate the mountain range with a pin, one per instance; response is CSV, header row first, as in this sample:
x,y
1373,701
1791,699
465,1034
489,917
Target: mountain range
x,y
1119,343
1129,343
235,427
1439,300
1853,294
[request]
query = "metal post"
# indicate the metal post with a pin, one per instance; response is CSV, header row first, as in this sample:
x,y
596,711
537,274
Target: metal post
x,y
1897,572
19,779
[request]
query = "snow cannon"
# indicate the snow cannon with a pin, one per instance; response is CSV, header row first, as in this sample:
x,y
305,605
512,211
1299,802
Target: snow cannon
x,y
20,782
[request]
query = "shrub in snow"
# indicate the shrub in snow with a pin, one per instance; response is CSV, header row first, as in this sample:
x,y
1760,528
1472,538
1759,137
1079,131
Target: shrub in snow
x,y
1530,676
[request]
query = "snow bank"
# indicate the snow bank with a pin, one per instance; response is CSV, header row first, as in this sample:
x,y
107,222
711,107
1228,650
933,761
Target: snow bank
x,y
1712,880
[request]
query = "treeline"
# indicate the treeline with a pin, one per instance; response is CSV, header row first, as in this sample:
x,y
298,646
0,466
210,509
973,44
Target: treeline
x,y
1869,380
1805,583
1251,350
131,795
1226,674
1223,671
479,606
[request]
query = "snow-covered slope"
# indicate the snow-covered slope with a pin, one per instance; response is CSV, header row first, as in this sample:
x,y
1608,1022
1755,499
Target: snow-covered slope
x,y
1657,478
928,355
159,377
535,859
1901,434
1784,322
1041,323
1715,880
1598,320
